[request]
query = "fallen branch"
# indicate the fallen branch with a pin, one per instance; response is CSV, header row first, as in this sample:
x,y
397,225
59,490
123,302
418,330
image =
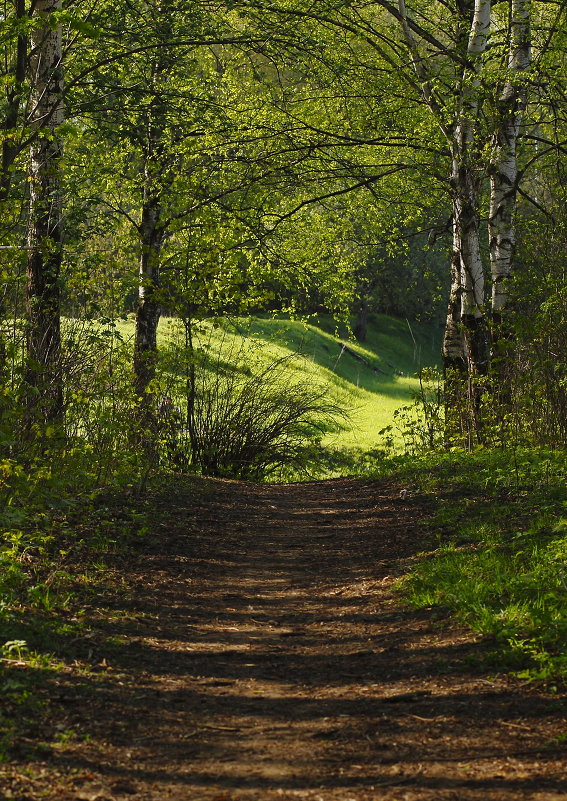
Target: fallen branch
x,y
362,359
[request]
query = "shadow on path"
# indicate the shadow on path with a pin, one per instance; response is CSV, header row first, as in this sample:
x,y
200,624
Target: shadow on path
x,y
259,653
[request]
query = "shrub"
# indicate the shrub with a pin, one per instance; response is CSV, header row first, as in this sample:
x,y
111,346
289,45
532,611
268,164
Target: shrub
x,y
254,425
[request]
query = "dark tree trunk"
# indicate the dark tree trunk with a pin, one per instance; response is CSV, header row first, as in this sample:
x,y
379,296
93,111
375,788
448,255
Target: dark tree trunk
x,y
11,148
149,310
361,324
43,377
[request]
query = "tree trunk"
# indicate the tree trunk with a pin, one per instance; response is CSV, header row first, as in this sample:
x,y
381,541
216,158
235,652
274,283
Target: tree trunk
x,y
361,324
148,311
504,176
151,241
465,346
147,319
453,351
465,349
43,326
10,148
191,389
466,191
467,234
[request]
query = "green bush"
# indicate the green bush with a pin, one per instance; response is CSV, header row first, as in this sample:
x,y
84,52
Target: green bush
x,y
253,426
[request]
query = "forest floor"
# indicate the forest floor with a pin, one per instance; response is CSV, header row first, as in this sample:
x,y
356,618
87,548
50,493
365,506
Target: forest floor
x,y
257,650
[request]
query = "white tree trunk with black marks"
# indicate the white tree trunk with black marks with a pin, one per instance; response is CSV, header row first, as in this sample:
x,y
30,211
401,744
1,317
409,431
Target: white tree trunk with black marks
x,y
453,340
465,343
465,183
504,167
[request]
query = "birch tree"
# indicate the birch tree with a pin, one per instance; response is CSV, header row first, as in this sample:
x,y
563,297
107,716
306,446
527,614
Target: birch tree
x,y
448,54
465,342
504,165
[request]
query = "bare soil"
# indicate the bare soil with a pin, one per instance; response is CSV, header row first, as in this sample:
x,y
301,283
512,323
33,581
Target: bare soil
x,y
257,650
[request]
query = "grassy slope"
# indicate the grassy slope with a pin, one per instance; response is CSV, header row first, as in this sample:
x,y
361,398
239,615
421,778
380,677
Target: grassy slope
x,y
371,396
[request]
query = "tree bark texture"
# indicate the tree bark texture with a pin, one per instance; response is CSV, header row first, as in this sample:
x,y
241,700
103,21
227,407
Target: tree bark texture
x,y
465,183
465,345
10,148
466,311
361,323
152,233
43,325
467,252
148,313
453,341
148,310
504,168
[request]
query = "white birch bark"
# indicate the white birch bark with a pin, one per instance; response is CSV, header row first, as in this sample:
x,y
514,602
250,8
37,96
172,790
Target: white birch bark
x,y
43,333
478,39
504,168
466,305
453,341
465,184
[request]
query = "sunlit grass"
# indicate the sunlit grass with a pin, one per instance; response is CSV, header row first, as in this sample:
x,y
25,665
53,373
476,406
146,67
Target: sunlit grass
x,y
499,549
370,391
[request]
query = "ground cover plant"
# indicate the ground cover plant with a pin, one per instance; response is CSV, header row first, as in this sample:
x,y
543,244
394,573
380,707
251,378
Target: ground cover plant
x,y
498,555
58,563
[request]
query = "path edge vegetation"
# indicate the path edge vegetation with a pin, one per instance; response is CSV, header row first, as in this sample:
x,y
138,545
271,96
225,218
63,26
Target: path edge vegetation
x,y
498,550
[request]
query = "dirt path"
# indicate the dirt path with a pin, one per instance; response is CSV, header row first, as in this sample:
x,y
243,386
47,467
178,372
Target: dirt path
x,y
260,654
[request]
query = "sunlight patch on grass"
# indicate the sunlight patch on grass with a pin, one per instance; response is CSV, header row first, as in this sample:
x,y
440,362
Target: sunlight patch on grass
x,y
370,389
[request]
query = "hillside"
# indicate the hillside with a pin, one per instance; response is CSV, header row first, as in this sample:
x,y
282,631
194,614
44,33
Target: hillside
x,y
371,381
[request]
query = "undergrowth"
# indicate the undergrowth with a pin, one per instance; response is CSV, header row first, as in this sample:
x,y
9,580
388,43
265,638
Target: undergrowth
x,y
55,563
499,556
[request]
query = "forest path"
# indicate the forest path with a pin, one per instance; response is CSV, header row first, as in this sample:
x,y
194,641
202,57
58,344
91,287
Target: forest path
x,y
257,653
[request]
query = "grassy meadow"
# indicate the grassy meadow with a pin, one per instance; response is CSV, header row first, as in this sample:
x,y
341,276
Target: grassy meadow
x,y
370,390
